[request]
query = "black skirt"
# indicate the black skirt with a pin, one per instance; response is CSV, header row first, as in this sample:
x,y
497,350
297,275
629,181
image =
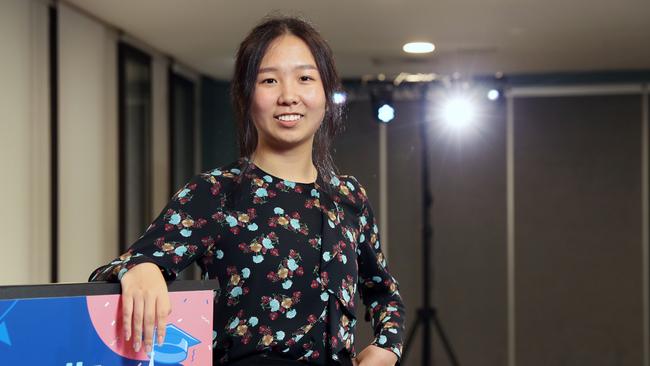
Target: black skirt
x,y
277,360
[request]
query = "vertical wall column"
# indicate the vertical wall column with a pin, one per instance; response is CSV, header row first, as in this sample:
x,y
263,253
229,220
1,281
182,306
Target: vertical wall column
x,y
88,155
25,142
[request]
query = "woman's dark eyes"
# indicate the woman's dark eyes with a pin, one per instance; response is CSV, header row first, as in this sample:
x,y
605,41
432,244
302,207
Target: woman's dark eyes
x,y
302,78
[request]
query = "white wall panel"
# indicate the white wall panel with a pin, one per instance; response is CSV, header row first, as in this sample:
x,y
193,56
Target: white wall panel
x,y
88,195
24,142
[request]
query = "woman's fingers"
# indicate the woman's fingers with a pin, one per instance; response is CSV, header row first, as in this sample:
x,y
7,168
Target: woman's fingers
x,y
149,321
138,317
145,304
127,312
162,312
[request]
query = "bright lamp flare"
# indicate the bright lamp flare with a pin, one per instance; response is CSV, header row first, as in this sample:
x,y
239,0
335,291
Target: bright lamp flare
x,y
493,94
418,47
458,113
386,113
339,97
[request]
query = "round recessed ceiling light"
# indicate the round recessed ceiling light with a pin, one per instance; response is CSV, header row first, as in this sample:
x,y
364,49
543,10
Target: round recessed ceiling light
x,y
418,47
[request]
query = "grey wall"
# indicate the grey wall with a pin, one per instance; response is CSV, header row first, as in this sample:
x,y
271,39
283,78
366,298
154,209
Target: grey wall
x,y
578,230
578,278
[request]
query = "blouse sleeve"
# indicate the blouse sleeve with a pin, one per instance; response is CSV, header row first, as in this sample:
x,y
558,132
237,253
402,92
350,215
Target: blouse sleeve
x,y
181,233
379,290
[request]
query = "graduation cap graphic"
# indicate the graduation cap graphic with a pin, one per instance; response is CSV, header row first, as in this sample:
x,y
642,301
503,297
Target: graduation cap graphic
x,y
175,346
5,308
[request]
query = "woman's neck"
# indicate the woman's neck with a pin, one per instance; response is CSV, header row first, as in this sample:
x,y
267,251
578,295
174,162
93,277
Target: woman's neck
x,y
292,165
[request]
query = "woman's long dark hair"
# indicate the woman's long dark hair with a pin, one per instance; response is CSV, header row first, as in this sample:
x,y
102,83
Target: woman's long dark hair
x,y
249,57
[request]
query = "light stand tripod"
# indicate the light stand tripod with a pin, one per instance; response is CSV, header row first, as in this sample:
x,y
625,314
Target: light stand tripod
x,y
427,314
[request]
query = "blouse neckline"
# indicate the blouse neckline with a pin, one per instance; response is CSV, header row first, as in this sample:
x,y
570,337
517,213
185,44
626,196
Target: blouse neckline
x,y
260,170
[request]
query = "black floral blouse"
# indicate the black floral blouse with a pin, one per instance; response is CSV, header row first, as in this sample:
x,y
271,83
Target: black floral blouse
x,y
288,256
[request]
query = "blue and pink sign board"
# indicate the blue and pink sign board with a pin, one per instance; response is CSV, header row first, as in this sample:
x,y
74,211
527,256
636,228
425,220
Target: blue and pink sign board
x,y
87,331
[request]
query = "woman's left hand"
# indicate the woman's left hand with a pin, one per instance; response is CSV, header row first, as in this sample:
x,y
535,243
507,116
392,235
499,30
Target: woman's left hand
x,y
375,356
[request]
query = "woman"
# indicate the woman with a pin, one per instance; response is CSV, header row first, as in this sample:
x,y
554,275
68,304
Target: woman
x,y
288,239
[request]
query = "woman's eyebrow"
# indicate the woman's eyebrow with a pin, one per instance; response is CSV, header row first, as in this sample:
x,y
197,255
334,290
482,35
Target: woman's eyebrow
x,y
299,67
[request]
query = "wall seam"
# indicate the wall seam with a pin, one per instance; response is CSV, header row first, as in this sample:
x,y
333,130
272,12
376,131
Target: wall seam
x,y
644,228
510,212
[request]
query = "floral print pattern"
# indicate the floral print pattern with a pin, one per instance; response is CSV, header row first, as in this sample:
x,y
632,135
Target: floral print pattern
x,y
289,258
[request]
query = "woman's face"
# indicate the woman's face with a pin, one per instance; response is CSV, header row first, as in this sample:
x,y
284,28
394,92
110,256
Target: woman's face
x,y
289,98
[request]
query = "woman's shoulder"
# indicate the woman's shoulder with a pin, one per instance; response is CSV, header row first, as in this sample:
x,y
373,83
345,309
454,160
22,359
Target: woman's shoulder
x,y
349,189
228,171
214,181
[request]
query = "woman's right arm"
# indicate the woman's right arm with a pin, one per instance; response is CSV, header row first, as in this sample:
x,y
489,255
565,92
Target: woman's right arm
x,y
182,233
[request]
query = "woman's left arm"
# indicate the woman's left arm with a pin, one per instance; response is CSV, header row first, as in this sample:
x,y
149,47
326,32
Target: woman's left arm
x,y
379,291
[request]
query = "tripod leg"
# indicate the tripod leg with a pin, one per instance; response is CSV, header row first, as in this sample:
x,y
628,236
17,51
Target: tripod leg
x,y
410,336
445,341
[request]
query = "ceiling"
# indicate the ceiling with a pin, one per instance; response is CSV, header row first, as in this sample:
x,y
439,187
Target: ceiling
x,y
472,37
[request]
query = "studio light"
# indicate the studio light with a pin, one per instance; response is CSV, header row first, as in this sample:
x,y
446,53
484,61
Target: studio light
x,y
385,113
493,94
458,113
381,97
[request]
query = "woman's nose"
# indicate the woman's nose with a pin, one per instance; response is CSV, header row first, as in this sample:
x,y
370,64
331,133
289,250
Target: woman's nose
x,y
288,95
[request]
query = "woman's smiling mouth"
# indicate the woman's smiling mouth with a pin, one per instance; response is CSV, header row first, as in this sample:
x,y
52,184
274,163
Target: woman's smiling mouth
x,y
289,119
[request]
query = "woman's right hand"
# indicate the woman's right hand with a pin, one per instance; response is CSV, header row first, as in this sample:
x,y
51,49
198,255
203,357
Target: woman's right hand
x,y
145,303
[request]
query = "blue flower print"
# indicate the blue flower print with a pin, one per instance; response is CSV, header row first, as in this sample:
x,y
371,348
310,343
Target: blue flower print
x,y
287,269
274,305
175,219
237,220
236,286
281,304
231,221
253,321
179,251
279,335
